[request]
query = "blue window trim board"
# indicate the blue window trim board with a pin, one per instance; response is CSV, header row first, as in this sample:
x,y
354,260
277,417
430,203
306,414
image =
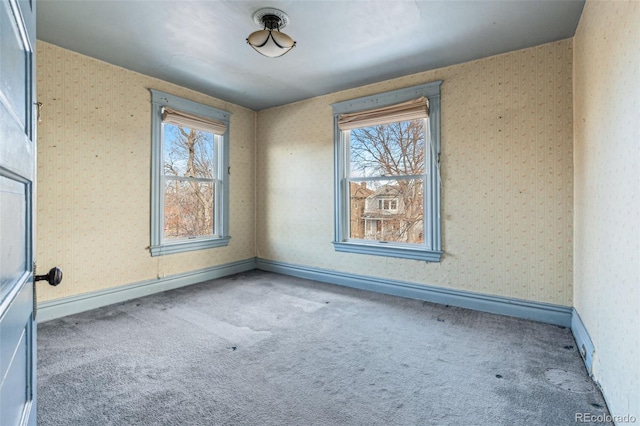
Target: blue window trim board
x,y
158,246
431,251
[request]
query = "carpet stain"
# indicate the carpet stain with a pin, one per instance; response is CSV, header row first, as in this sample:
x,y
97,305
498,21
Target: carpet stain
x,y
569,381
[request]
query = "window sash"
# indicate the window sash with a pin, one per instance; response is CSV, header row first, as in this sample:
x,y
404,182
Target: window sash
x,y
217,141
348,231
215,231
215,183
424,177
346,142
190,178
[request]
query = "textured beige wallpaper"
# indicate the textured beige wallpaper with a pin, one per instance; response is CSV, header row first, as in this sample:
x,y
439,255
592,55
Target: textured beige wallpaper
x,y
94,160
607,205
507,171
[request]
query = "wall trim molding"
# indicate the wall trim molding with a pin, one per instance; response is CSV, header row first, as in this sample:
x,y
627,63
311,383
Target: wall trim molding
x,y
583,340
536,311
58,308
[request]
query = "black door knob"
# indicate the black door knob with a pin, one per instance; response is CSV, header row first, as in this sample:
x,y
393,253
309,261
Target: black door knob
x,y
53,277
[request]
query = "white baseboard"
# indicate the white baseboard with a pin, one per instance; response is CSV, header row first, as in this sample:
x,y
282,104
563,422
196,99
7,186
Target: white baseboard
x,y
75,304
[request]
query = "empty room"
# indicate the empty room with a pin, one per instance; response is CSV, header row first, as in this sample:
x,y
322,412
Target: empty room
x,y
319,212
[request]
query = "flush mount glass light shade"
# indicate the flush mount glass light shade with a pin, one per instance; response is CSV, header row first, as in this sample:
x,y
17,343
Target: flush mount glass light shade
x,y
270,41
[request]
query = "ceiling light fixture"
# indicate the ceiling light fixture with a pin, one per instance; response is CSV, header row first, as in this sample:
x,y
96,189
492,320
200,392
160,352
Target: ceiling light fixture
x,y
270,41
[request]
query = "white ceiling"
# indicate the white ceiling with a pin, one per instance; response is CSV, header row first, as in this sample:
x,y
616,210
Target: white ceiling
x,y
340,44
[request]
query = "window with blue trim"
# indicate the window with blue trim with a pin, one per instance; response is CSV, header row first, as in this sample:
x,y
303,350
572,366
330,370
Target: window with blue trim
x,y
387,180
190,182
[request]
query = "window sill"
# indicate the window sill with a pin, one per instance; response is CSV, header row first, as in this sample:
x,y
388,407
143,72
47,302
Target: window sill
x,y
383,249
189,245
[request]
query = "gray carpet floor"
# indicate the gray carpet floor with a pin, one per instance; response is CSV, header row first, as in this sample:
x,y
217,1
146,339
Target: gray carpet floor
x,y
265,349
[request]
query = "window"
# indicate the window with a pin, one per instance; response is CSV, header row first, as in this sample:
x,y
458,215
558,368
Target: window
x,y
387,180
388,204
190,183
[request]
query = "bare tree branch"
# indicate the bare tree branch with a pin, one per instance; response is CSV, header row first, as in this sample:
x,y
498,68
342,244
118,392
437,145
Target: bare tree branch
x,y
394,150
189,204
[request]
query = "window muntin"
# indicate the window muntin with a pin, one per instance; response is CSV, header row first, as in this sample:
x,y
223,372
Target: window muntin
x,y
190,181
387,177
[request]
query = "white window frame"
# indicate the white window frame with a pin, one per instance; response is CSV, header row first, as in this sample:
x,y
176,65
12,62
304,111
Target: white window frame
x,y
220,234
431,249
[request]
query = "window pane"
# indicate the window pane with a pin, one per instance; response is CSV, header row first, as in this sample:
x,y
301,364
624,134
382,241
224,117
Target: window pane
x,y
387,210
188,152
388,150
188,208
